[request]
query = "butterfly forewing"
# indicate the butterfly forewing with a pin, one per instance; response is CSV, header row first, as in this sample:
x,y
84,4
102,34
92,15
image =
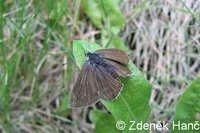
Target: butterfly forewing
x,y
114,54
85,91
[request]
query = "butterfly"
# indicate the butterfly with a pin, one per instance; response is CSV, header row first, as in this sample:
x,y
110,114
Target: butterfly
x,y
98,77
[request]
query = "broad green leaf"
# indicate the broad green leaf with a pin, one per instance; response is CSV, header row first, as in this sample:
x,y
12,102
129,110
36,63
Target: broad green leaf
x,y
187,109
104,123
102,12
133,102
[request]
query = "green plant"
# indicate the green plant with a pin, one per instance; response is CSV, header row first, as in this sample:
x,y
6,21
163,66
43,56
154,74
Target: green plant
x,y
187,110
133,102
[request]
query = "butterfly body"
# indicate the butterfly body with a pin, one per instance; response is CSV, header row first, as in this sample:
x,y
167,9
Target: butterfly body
x,y
98,77
96,61
94,58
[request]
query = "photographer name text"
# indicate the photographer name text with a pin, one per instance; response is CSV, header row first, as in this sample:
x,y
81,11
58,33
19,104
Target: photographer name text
x,y
159,125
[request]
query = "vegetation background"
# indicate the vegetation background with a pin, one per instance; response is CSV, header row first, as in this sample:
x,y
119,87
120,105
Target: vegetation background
x,y
162,38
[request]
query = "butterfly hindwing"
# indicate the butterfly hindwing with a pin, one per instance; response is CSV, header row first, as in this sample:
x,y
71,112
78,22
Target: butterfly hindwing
x,y
109,87
121,70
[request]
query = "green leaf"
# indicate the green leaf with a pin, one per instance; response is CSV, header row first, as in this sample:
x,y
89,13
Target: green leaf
x,y
188,108
133,102
103,11
104,123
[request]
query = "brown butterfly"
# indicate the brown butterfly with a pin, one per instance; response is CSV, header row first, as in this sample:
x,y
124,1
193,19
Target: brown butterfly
x,y
98,77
